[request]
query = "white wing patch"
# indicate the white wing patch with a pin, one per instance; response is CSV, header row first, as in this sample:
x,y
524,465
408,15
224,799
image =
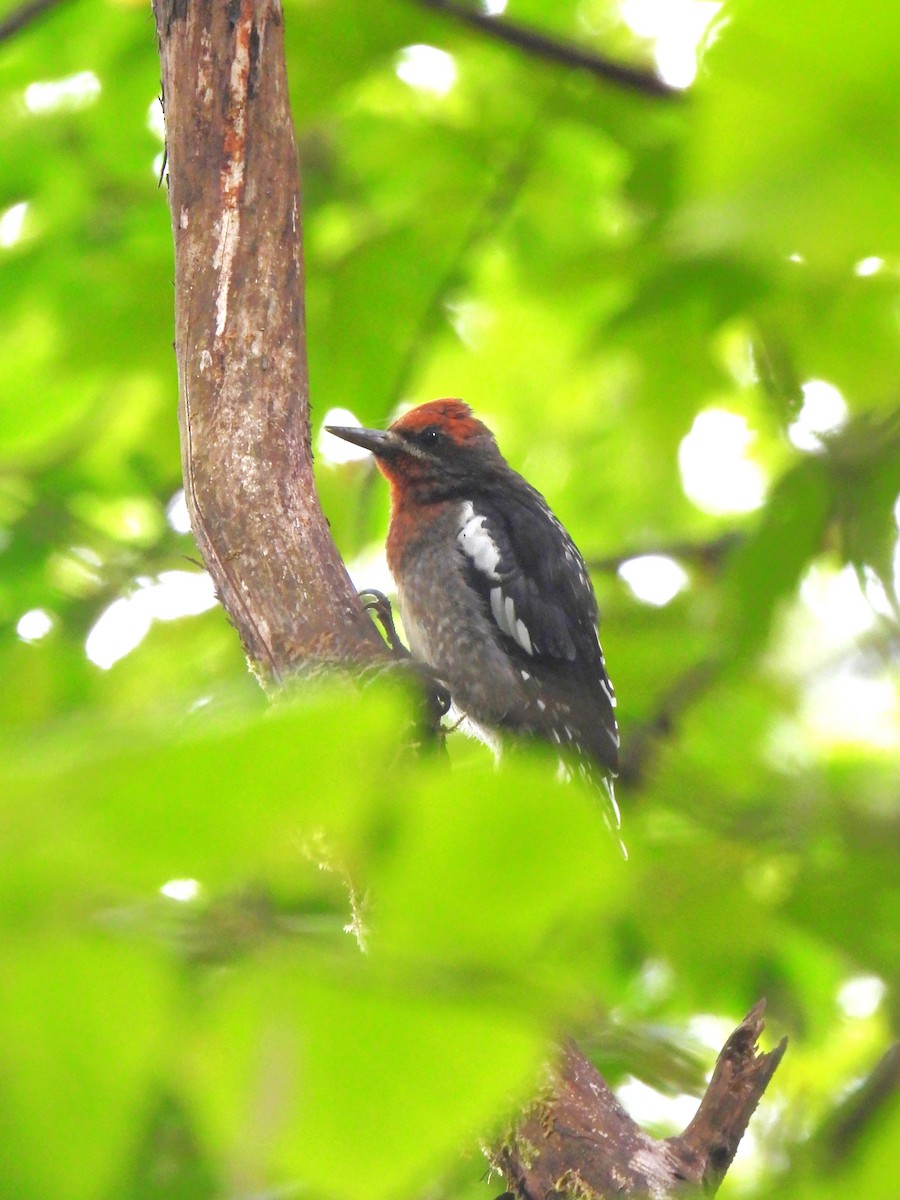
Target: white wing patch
x,y
498,610
523,637
504,610
475,542
511,622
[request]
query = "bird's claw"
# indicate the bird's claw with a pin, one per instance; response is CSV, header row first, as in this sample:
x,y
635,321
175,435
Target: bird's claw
x,y
379,604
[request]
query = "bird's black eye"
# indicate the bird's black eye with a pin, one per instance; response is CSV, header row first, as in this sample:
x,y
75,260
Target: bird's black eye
x,y
429,437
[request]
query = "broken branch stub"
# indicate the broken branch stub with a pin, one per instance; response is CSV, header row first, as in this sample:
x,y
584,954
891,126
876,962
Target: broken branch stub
x,y
579,1142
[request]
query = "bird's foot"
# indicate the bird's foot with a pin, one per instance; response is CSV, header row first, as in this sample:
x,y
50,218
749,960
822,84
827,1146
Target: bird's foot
x,y
378,604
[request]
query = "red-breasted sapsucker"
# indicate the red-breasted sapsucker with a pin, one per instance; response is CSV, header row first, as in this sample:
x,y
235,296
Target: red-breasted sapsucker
x,y
494,596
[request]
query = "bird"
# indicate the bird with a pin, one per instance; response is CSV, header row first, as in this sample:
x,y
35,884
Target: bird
x,y
494,596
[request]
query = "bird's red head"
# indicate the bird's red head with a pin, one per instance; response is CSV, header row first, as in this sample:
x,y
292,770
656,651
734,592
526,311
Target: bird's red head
x,y
430,452
453,418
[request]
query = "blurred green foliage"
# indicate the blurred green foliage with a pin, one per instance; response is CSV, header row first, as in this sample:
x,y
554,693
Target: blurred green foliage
x,y
646,299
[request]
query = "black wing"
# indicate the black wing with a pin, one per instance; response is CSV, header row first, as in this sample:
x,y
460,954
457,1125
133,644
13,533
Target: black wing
x,y
536,587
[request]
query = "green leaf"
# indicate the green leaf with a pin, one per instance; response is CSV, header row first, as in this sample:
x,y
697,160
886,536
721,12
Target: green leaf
x,y
84,1028
494,874
227,801
768,565
347,1085
793,145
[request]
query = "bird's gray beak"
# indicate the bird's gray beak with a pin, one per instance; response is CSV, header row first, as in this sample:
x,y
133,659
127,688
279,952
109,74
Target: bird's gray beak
x,y
379,441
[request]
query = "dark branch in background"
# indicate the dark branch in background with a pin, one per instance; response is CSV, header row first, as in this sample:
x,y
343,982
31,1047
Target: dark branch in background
x,y
498,202
26,15
614,1156
566,54
839,1138
644,739
704,554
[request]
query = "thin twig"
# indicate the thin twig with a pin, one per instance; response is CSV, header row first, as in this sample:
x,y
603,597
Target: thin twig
x,y
856,1115
644,739
567,54
23,16
705,554
497,203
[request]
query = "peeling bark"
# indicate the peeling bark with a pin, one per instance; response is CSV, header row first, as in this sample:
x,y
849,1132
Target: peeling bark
x,y
240,339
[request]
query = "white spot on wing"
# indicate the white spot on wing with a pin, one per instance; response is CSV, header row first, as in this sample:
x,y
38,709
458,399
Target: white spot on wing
x,y
476,542
504,610
497,608
510,623
523,637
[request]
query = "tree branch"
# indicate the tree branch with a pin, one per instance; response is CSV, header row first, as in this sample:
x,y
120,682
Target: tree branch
x,y
705,554
24,16
581,1143
564,53
741,1075
497,203
240,338
840,1136
644,739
